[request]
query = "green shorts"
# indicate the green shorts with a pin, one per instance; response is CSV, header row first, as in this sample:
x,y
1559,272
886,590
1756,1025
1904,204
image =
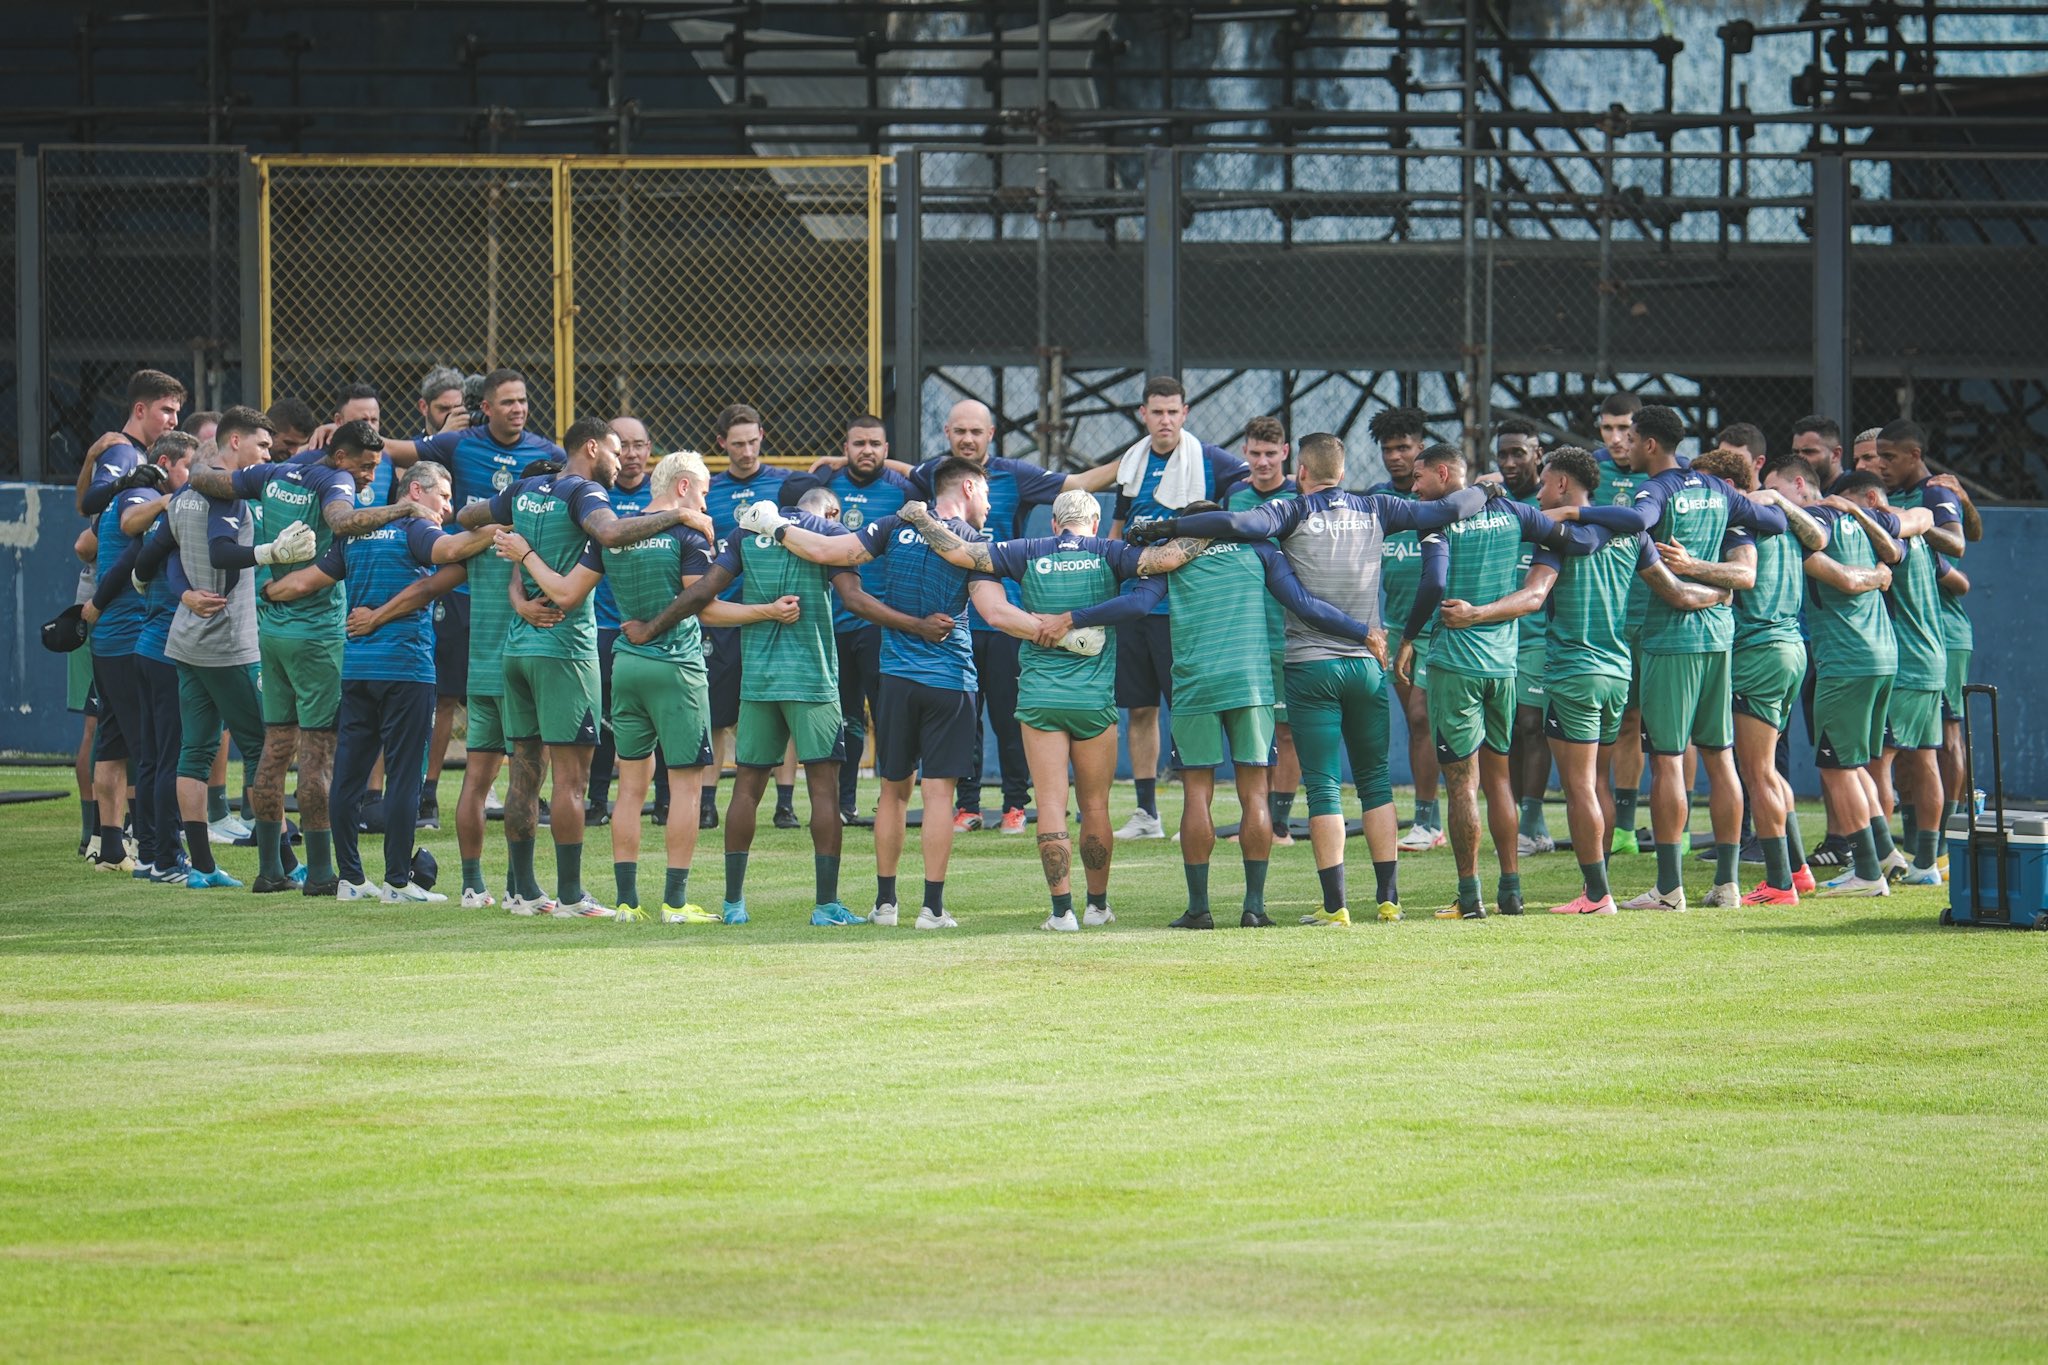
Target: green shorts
x,y
1529,682
211,700
1198,739
1280,686
1848,720
767,727
1337,709
78,679
486,725
1765,681
301,681
1466,712
1584,708
1686,700
1081,722
1952,694
1912,719
656,703
1421,669
1635,671
555,701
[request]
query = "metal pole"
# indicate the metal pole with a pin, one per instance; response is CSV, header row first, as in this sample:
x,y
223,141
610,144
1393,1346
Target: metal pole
x,y
253,343
909,433
1044,435
32,427
1486,346
1468,194
1162,260
1831,372
1603,369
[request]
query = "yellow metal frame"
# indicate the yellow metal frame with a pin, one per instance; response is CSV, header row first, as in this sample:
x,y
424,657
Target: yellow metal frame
x,y
561,168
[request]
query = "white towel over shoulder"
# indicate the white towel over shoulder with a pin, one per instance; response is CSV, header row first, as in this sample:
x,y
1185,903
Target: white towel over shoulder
x,y
1183,481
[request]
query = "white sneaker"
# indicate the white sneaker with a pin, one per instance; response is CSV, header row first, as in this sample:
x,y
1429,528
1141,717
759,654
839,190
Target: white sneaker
x,y
360,891
1894,865
1528,845
125,865
1095,916
583,909
1921,876
1849,884
478,900
942,920
1724,896
493,804
1062,924
1653,899
520,906
129,846
92,849
409,894
228,830
1142,825
884,915
1419,839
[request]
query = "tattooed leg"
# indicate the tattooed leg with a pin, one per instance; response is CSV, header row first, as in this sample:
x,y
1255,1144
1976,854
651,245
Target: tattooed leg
x,y
1056,856
280,747
522,792
316,772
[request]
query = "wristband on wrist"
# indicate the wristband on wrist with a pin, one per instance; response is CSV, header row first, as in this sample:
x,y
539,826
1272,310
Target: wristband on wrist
x,y
780,532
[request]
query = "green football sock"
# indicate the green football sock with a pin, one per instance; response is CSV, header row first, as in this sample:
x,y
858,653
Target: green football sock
x,y
1777,864
1596,880
1510,884
1468,892
1668,875
319,855
1281,804
1063,904
1909,823
1428,815
473,875
735,877
216,804
825,873
1863,852
1531,808
1881,836
676,890
1255,883
519,879
1625,800
1726,858
1795,846
1923,848
269,862
1197,875
568,873
627,878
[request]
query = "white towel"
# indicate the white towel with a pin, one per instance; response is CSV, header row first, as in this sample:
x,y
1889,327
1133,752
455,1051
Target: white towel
x,y
1181,484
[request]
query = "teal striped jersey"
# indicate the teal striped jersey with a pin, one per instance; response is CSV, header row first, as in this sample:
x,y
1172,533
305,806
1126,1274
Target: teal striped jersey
x,y
1218,603
1851,634
1587,614
549,511
1769,612
490,621
1694,514
1242,498
1915,600
1486,564
1531,629
798,661
646,577
1956,631
279,496
1055,575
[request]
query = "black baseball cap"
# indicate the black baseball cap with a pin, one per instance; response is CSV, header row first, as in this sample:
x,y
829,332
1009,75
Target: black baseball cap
x,y
65,631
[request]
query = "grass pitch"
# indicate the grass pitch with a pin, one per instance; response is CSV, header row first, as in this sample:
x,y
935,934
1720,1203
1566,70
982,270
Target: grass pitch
x,y
242,1127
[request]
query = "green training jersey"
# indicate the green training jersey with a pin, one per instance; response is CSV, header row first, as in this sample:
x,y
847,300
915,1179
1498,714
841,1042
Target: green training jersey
x,y
490,621
1956,631
1068,573
1694,514
297,493
645,578
1218,605
1851,634
1586,617
1916,619
1243,498
795,662
1486,564
549,512
1400,564
1530,629
1769,612
1617,485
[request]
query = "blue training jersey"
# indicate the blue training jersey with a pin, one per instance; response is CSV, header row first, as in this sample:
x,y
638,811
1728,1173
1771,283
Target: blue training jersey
x,y
115,463
916,582
1221,471
377,567
119,628
860,505
728,493
627,502
480,467
1014,488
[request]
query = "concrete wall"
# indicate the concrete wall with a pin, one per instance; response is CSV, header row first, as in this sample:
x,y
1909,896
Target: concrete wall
x,y
2008,603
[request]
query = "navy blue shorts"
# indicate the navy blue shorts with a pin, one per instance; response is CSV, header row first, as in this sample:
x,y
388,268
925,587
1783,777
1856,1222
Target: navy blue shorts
x,y
722,670
451,646
1144,662
117,678
919,725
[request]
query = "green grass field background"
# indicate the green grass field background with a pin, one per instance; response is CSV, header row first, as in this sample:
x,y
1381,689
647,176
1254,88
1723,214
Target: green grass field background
x,y
254,1128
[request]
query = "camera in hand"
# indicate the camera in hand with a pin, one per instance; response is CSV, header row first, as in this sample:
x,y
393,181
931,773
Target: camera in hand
x,y
473,400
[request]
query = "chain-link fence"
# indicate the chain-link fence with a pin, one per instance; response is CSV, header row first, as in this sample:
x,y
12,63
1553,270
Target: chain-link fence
x,y
379,271
697,285
141,266
11,379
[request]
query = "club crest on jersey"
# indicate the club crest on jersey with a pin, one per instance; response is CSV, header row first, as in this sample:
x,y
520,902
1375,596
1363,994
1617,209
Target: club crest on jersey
x,y
852,518
501,479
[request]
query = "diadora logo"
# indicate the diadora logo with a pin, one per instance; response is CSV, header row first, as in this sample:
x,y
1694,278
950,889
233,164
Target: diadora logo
x,y
1047,564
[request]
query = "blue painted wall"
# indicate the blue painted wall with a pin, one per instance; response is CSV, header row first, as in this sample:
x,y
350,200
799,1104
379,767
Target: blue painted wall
x,y
2008,602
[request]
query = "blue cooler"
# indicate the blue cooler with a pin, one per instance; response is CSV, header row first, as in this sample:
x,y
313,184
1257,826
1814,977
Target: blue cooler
x,y
1977,894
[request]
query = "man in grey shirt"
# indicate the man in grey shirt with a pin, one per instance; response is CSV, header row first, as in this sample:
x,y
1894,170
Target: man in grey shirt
x,y
1336,688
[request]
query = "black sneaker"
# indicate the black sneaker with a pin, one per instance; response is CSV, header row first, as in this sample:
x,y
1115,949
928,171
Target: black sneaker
x,y
595,814
1508,903
1646,839
707,817
1192,919
430,815
1752,850
1832,852
1254,919
545,817
321,890
271,886
660,814
1476,910
855,820
785,818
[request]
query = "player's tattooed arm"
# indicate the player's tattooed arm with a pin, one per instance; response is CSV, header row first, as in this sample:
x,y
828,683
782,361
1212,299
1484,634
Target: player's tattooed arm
x,y
1736,573
344,518
611,530
838,552
1680,594
946,543
689,602
215,482
476,514
1798,520
1530,597
1181,550
1845,580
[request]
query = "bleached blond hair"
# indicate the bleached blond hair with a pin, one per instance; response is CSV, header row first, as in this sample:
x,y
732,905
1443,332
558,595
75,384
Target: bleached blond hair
x,y
1074,509
676,466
